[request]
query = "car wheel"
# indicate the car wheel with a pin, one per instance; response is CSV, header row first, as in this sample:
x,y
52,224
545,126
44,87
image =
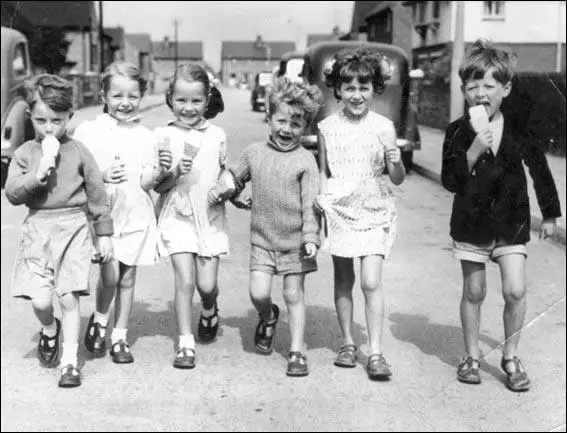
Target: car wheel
x,y
407,159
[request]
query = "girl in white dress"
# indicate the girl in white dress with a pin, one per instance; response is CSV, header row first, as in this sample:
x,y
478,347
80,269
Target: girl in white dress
x,y
124,151
193,233
356,145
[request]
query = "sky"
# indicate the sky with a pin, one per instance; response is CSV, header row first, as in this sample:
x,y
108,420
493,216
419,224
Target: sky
x,y
215,21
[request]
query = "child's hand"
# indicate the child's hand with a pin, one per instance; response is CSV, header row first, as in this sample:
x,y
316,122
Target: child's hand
x,y
185,165
393,155
310,250
46,164
214,196
483,141
165,160
104,246
242,202
115,173
547,228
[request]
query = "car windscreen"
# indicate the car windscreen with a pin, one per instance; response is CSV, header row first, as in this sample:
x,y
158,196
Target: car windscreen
x,y
293,69
265,78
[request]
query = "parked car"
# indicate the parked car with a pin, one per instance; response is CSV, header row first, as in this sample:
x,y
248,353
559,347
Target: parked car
x,y
15,68
395,103
258,95
291,65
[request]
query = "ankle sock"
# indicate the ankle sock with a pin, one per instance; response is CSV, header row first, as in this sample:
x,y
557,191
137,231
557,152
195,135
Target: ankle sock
x,y
102,320
187,341
118,334
50,330
69,355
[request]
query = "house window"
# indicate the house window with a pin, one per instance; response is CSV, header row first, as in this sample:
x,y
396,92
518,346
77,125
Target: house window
x,y
19,62
436,10
421,9
494,10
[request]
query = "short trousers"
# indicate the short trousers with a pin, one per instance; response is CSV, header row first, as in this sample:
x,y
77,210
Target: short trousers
x,y
483,253
281,262
54,254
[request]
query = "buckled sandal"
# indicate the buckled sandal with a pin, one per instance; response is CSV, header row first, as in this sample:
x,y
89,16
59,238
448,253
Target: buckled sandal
x,y
297,365
469,371
378,368
265,336
120,352
94,342
209,326
47,354
346,357
517,380
185,358
70,377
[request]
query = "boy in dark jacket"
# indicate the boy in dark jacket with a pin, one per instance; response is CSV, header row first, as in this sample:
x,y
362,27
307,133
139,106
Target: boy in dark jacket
x,y
491,215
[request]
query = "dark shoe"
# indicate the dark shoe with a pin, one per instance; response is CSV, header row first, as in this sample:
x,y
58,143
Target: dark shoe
x,y
517,380
49,355
185,358
377,367
70,377
265,336
469,371
347,356
120,352
209,326
297,365
94,342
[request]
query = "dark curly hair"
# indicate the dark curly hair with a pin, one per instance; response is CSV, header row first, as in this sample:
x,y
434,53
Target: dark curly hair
x,y
361,63
305,97
194,72
483,56
54,91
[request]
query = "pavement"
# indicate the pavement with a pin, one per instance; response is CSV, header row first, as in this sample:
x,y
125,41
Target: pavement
x,y
427,162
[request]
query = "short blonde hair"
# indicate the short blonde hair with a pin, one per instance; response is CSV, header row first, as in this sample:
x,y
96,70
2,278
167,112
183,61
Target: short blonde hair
x,y
302,96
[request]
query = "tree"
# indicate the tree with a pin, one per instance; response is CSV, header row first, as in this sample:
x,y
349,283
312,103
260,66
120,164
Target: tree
x,y
48,48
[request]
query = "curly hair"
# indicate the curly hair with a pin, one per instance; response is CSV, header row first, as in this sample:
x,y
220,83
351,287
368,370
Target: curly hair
x,y
193,72
125,69
302,96
361,63
484,56
52,90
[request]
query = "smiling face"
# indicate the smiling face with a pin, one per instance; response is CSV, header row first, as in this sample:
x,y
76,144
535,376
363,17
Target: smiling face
x,y
356,97
189,101
486,91
46,122
122,98
287,125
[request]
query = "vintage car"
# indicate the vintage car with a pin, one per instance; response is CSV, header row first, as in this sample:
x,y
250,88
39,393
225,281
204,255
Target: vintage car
x,y
15,69
258,95
398,102
291,65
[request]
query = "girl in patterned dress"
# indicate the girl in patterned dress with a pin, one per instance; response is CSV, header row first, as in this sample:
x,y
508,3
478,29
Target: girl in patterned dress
x,y
356,145
193,233
124,151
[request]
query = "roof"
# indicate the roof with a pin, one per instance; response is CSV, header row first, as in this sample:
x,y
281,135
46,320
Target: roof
x,y
68,14
142,42
361,11
248,50
117,36
185,50
383,6
317,37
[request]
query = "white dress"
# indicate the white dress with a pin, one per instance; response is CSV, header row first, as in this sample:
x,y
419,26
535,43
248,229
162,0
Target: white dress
x,y
359,206
135,236
187,224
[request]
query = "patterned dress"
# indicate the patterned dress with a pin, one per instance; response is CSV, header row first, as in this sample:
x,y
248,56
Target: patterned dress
x,y
359,207
187,224
135,236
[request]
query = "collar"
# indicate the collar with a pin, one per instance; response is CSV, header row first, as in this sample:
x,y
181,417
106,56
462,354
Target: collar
x,y
201,126
114,122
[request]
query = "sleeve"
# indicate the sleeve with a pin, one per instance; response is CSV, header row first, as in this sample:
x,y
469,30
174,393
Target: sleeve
x,y
309,185
241,170
222,151
544,185
21,182
97,203
454,169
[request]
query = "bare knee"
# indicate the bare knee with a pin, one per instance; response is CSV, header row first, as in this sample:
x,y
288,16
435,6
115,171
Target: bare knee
x,y
69,302
41,304
370,287
474,293
514,293
293,296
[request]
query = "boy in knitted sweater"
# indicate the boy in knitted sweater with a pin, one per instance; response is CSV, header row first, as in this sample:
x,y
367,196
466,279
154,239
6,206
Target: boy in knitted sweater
x,y
284,231
57,178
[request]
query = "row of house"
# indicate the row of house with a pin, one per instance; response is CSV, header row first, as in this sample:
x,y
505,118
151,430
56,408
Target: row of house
x,y
436,33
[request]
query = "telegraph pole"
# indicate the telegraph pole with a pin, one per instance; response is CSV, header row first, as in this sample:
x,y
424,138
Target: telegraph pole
x,y
176,53
457,98
101,37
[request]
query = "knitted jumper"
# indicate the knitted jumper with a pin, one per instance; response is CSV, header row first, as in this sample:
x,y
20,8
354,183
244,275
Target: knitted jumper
x,y
76,181
284,186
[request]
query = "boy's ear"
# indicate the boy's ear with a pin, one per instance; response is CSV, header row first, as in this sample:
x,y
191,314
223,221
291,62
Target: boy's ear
x,y
28,113
507,88
71,114
102,97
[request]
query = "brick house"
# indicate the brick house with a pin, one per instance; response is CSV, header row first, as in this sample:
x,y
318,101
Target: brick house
x,y
245,59
164,59
138,50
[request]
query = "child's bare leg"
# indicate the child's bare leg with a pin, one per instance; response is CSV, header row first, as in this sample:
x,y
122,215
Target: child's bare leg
x,y
294,296
125,296
344,281
207,280
71,325
474,292
512,268
106,287
184,272
43,309
260,291
371,283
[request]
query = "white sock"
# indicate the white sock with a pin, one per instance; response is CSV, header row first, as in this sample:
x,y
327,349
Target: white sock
x,y
69,355
118,334
207,313
102,320
187,341
50,330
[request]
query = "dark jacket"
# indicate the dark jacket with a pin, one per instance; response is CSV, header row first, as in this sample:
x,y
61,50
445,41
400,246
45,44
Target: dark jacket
x,y
492,201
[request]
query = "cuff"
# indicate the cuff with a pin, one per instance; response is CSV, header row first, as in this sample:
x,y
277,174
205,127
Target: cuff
x,y
104,227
